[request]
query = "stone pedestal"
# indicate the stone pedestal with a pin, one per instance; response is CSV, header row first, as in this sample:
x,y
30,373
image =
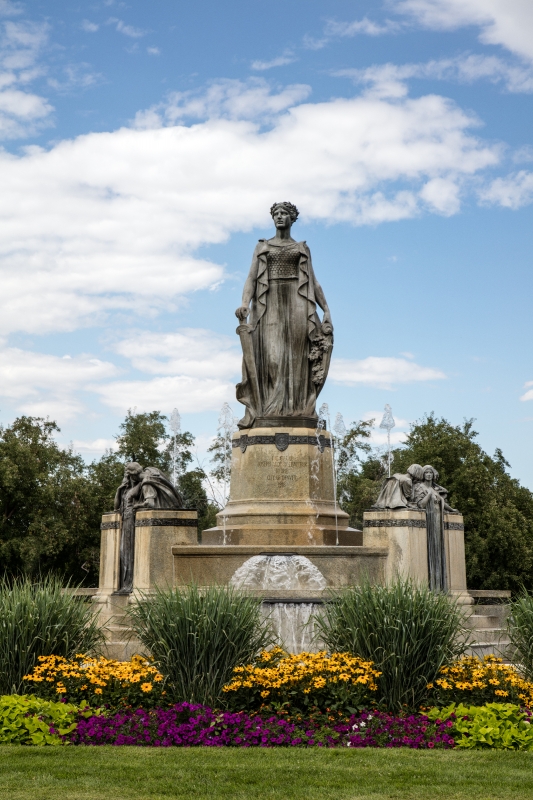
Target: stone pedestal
x,y
282,492
403,532
157,531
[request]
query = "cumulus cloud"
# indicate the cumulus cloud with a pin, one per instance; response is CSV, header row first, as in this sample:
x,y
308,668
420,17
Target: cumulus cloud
x,y
381,372
391,80
513,191
194,352
508,23
189,394
109,222
42,384
22,112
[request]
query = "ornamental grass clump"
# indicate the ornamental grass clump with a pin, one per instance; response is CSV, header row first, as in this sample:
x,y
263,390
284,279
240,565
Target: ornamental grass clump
x,y
302,681
406,630
41,619
520,629
474,681
98,681
198,636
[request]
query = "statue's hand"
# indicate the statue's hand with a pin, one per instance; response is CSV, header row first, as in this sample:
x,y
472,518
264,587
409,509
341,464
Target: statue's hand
x,y
327,326
242,313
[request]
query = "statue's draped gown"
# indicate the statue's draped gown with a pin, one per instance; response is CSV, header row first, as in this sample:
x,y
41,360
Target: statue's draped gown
x,y
291,353
435,507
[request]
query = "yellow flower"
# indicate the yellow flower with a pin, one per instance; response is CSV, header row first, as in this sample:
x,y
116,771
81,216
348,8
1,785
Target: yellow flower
x,y
98,691
146,687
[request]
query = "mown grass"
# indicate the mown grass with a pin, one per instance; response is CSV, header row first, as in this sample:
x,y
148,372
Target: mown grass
x,y
125,773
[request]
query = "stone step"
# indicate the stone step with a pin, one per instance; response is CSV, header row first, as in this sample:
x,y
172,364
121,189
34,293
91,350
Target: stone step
x,y
490,635
477,621
496,610
481,649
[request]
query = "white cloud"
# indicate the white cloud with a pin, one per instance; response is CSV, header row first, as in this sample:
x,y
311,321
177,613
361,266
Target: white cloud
x,y
22,113
529,394
89,27
42,384
390,80
362,26
153,51
280,61
383,373
94,447
189,394
228,99
110,221
193,352
513,191
508,23
127,30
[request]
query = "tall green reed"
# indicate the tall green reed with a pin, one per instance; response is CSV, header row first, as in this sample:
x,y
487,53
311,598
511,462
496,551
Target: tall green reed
x,y
408,632
198,635
520,630
41,619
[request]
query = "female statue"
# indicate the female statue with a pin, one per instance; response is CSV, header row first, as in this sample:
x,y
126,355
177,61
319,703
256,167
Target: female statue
x,y
431,497
286,348
397,491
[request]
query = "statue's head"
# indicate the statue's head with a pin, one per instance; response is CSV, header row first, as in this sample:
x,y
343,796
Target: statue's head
x,y
284,214
430,473
416,472
133,470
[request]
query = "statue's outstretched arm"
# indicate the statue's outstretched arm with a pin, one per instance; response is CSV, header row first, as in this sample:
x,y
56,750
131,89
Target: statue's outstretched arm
x,y
322,302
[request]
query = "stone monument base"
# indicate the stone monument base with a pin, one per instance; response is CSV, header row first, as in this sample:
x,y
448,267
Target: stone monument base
x,y
157,531
282,492
403,533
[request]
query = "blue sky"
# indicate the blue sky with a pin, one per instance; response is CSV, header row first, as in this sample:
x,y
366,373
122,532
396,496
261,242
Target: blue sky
x,y
143,145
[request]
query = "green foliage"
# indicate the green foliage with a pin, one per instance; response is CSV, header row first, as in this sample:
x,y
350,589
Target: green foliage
x,y
30,720
520,629
48,519
498,512
40,619
358,489
197,637
407,631
501,726
143,438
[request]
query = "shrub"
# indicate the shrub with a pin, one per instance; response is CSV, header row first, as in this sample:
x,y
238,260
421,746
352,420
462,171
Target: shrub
x,y
407,631
501,726
31,720
520,629
40,619
302,681
197,637
98,681
474,681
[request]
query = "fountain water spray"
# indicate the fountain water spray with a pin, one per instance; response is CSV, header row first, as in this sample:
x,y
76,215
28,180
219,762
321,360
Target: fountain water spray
x,y
323,414
226,426
175,427
388,423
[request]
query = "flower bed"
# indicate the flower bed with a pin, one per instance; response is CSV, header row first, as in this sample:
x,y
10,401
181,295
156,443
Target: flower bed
x,y
98,681
186,725
302,681
473,681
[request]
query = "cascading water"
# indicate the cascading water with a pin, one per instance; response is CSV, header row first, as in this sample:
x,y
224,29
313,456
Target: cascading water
x,y
324,415
292,621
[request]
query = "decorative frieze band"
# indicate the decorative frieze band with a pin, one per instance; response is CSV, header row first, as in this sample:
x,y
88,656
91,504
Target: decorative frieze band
x,y
171,522
281,440
408,523
174,522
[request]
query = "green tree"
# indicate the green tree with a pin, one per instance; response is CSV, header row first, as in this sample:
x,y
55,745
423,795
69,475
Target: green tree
x,y
48,518
498,511
144,438
355,476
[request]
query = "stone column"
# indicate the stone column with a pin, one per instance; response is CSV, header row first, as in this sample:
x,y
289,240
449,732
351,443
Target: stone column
x,y
157,531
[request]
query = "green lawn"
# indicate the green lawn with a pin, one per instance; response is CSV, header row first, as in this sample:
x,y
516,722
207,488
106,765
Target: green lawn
x,y
123,773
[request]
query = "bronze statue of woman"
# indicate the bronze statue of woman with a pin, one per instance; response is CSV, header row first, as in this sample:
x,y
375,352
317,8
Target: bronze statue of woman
x,y
286,347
